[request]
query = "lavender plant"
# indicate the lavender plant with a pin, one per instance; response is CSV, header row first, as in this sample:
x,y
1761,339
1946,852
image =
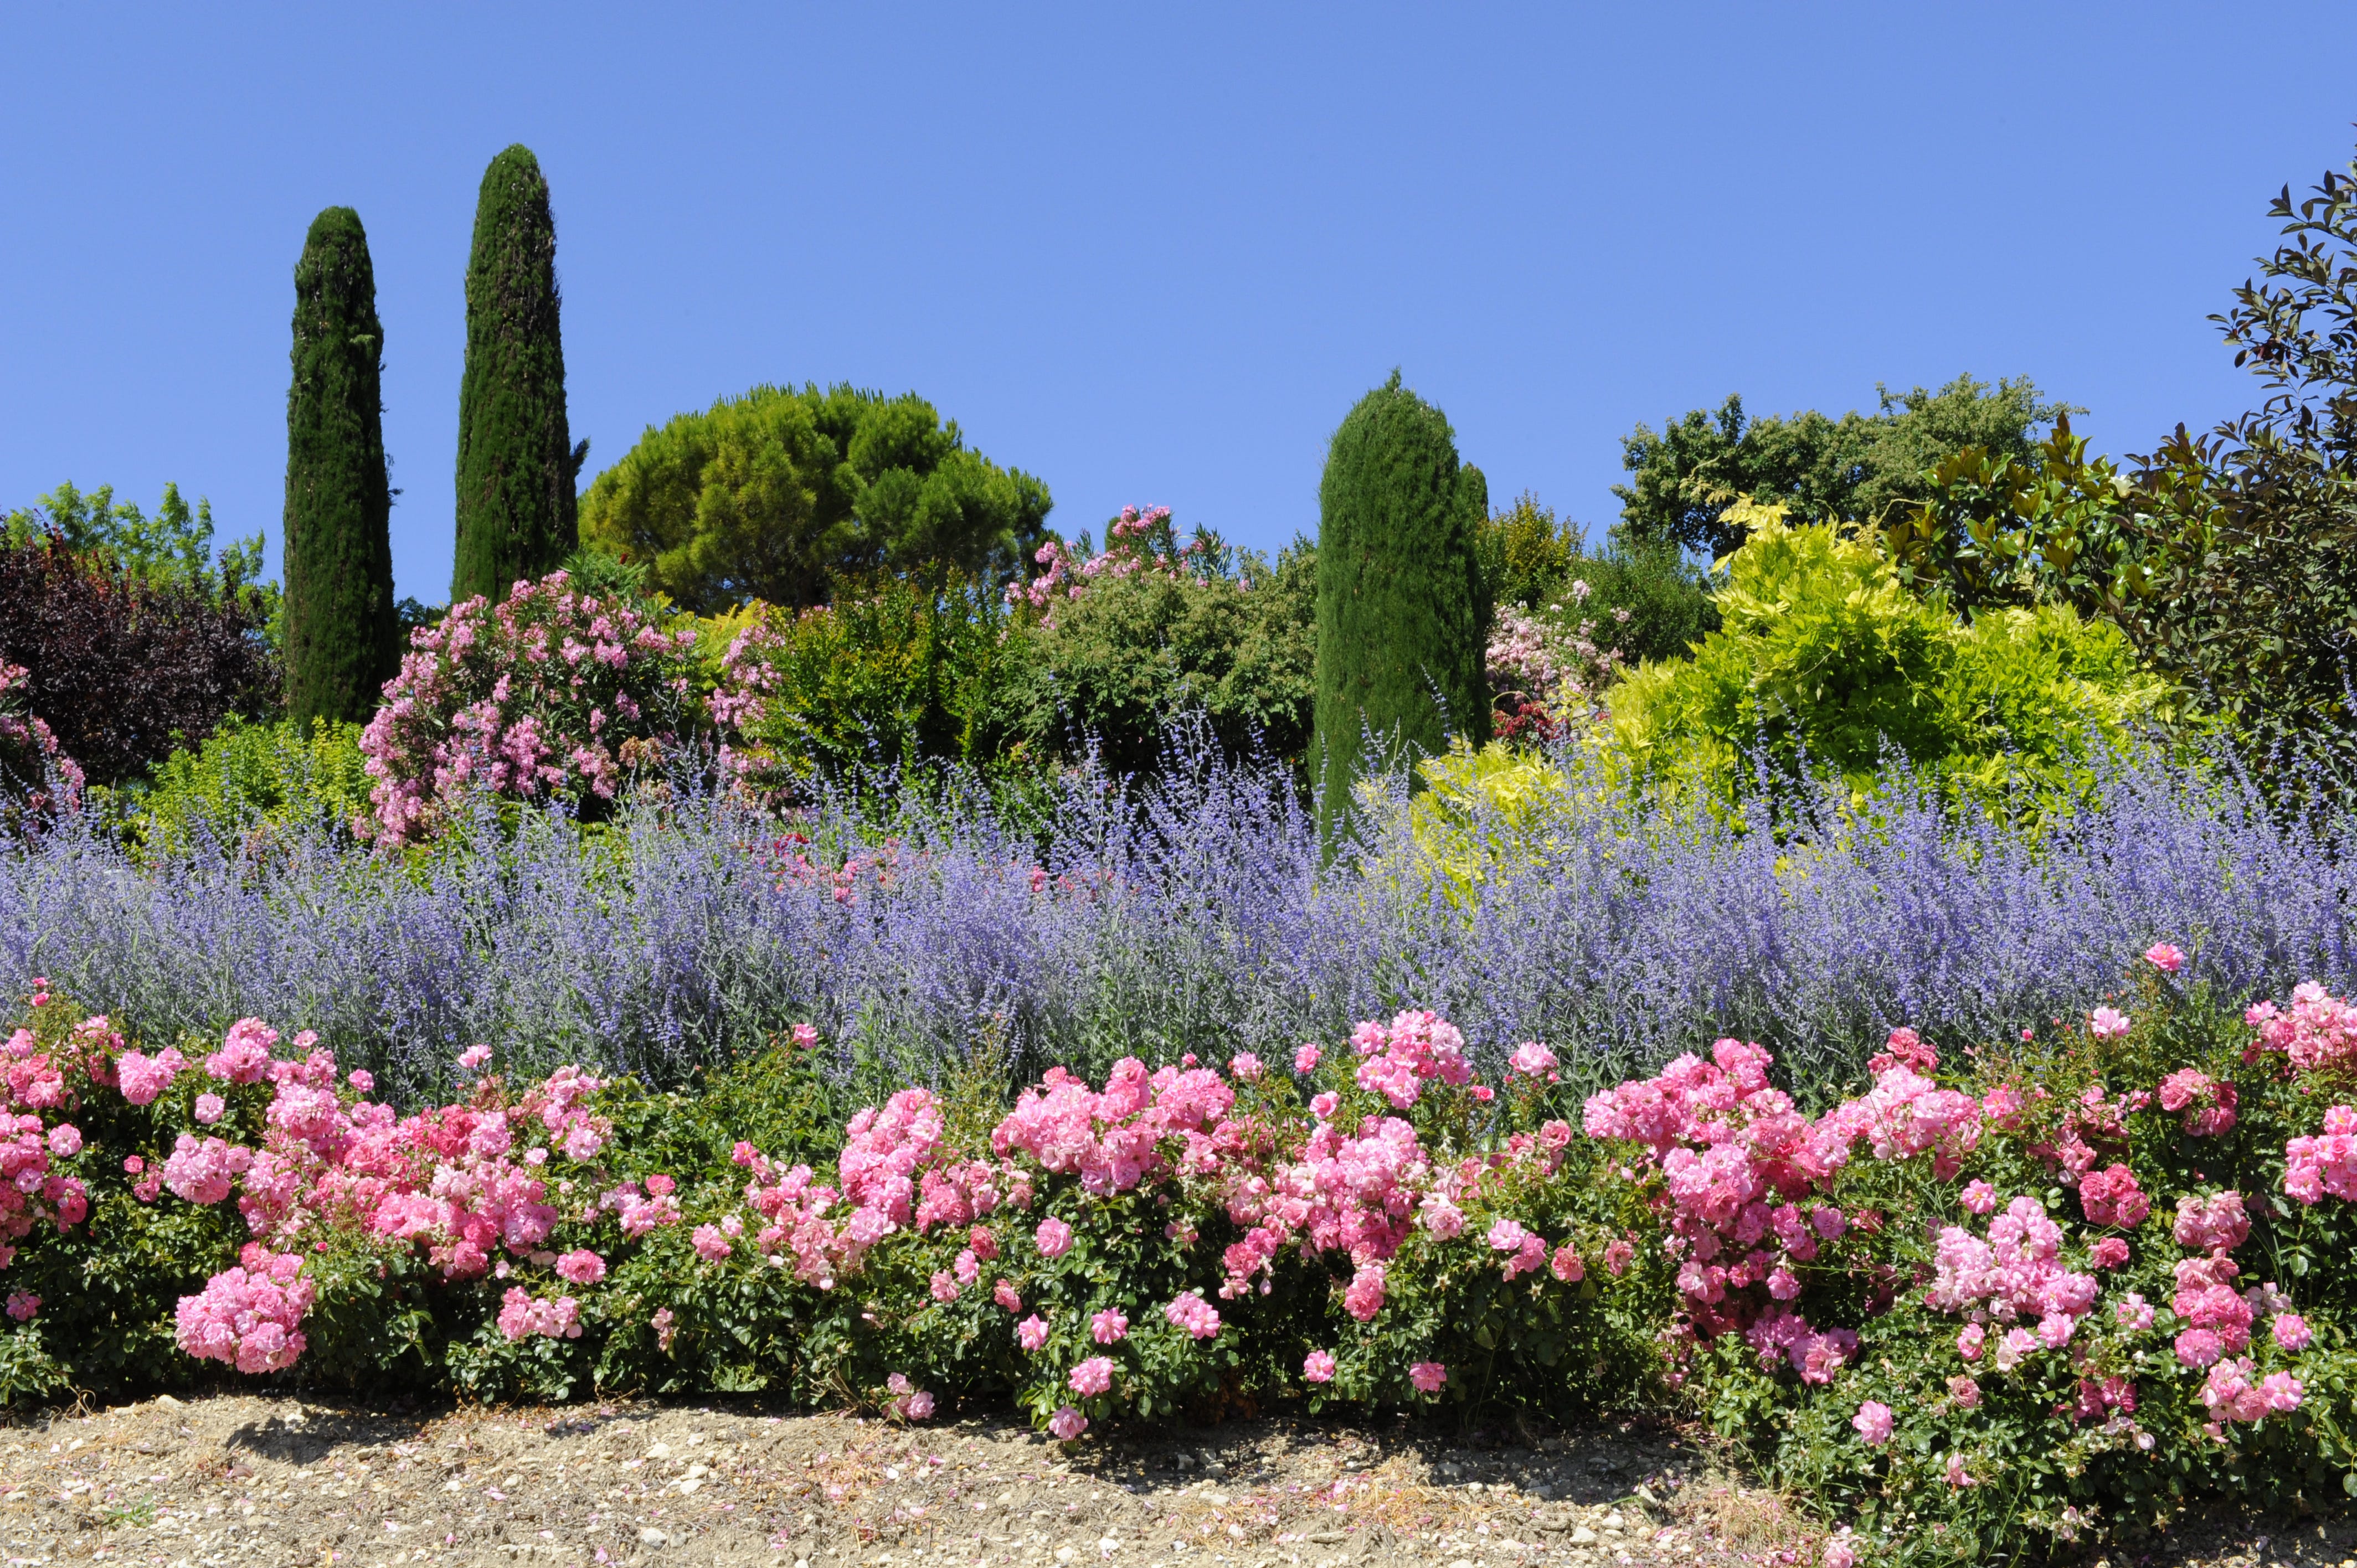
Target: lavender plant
x,y
1191,913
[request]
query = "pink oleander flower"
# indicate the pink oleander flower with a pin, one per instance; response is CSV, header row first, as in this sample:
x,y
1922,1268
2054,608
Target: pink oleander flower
x,y
1873,1423
2164,957
1067,1425
1318,1366
1110,1327
2291,1331
1978,1197
1965,1391
1307,1058
582,1266
1093,1377
211,1108
2110,1252
1245,1066
1032,1332
23,1304
1970,1343
1427,1376
1054,1236
2108,1023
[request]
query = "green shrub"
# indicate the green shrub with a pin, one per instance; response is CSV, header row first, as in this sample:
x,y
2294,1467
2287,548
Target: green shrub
x,y
1122,661
895,677
247,774
1403,611
1824,659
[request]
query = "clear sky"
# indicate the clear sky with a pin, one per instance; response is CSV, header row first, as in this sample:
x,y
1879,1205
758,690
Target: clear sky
x,y
1150,254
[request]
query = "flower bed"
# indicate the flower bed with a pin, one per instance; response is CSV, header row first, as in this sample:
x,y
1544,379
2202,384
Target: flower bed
x,y
2046,1295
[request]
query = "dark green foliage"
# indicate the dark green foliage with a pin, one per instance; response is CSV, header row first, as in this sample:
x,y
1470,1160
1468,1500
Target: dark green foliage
x,y
1860,466
340,632
1530,558
2229,560
1126,659
1403,612
782,495
517,465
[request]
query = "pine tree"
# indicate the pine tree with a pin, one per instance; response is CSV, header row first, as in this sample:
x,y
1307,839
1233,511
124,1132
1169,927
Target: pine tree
x,y
342,638
1403,614
517,510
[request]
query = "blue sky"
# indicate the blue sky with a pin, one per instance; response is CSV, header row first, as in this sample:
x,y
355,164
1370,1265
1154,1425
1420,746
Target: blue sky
x,y
1149,253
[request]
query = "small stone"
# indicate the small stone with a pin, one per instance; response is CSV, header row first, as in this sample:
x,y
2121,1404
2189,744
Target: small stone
x,y
1108,1544
651,1537
1583,1536
1327,1537
1065,1554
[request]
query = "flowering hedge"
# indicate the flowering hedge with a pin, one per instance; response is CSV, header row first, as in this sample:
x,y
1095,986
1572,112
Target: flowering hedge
x,y
2048,1293
550,695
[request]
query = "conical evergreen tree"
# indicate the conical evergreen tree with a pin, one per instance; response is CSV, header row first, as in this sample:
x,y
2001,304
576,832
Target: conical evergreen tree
x,y
1403,614
342,641
517,510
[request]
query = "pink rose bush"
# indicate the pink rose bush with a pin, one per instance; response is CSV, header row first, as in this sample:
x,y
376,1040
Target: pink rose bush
x,y
548,695
2096,1265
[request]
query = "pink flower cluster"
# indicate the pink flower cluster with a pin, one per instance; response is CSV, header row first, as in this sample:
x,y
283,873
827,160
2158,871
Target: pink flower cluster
x,y
1113,1140
31,757
247,1315
2313,1167
2208,1104
2317,1031
551,695
1417,1047
521,1314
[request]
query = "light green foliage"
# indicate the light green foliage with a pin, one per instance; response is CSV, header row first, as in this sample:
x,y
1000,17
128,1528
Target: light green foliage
x,y
340,629
173,547
1123,659
1861,466
783,495
1403,608
248,775
517,468
1824,658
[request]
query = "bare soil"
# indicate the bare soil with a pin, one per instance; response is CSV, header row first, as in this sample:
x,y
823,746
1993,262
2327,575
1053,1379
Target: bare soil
x,y
235,1479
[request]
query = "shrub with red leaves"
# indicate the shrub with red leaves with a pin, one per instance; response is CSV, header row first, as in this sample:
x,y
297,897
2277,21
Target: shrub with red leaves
x,y
122,671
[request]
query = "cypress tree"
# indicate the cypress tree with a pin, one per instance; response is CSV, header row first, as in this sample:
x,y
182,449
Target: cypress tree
x,y
1403,613
342,640
517,510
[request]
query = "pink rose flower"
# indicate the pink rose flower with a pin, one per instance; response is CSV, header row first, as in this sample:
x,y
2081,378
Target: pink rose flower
x,y
1305,1059
1978,1197
2108,1023
1324,1105
2164,957
1055,1238
1245,1066
1873,1423
1319,1367
65,1140
1109,1327
2291,1331
1032,1332
1067,1425
582,1266
211,1108
1093,1377
1427,1376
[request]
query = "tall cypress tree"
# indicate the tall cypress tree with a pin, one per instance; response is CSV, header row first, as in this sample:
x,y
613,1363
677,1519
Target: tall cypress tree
x,y
342,640
517,510
1403,614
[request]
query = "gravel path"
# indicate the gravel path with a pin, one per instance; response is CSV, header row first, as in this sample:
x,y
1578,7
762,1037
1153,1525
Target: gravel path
x,y
232,1479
